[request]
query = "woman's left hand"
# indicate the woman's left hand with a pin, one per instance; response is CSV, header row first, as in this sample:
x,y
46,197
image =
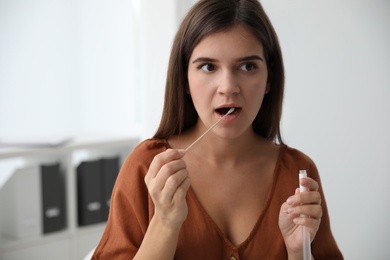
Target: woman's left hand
x,y
306,203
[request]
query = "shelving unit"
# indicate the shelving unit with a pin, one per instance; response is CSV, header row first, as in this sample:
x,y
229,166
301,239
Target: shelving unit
x,y
73,242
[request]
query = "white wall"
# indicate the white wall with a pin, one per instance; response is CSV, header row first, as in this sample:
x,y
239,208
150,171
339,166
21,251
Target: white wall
x,y
80,67
107,36
337,110
67,67
158,24
38,68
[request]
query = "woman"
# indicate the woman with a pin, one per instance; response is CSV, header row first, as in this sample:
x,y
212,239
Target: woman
x,y
233,194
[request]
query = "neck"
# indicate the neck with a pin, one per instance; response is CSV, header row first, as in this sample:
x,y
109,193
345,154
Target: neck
x,y
229,152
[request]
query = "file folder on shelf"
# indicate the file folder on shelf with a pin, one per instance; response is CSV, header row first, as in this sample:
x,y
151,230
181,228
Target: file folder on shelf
x,y
53,198
88,193
33,202
95,180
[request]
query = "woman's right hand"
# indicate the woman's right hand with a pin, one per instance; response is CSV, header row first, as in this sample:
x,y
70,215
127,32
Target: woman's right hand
x,y
168,182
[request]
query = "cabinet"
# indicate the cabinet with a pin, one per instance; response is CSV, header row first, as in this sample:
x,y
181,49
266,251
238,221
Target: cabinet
x,y
73,242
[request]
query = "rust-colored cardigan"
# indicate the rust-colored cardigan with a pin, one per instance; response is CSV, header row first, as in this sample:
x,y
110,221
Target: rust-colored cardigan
x,y
200,238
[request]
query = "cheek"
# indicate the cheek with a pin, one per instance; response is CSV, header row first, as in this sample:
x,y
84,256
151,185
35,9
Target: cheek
x,y
199,97
256,96
194,90
199,88
257,86
193,83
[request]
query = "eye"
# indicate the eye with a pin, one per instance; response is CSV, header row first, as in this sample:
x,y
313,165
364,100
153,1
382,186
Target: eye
x,y
249,66
207,67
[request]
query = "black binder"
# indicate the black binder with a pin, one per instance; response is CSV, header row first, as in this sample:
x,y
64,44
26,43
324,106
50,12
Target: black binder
x,y
53,198
89,193
109,172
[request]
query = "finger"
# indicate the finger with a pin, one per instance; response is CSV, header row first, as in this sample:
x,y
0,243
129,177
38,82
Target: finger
x,y
311,197
181,191
309,183
301,198
312,223
307,197
168,170
161,159
172,186
292,200
157,184
311,211
285,212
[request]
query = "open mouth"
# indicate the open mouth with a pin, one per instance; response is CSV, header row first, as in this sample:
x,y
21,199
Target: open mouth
x,y
223,110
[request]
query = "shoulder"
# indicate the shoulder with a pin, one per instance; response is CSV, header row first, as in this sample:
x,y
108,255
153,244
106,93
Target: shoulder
x,y
149,148
145,151
293,154
293,160
141,157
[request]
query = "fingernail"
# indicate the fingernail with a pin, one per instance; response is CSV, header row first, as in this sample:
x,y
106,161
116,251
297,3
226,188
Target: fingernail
x,y
290,210
181,151
290,201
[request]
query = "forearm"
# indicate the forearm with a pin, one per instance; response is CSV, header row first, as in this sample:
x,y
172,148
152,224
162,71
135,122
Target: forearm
x,y
160,242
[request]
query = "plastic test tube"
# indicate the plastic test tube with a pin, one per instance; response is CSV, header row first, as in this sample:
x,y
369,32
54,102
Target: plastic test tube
x,y
305,231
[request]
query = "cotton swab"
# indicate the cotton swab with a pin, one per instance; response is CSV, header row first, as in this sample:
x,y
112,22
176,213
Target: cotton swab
x,y
305,230
200,137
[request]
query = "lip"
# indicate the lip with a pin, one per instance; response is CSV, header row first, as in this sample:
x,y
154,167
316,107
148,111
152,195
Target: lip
x,y
232,116
228,105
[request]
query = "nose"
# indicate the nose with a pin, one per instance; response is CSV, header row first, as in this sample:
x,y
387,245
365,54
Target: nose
x,y
228,84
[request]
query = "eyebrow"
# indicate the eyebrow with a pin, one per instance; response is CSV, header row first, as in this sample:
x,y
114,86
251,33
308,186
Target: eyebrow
x,y
203,59
252,57
246,58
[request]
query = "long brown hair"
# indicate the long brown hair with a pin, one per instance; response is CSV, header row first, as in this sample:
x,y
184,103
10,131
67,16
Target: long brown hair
x,y
204,18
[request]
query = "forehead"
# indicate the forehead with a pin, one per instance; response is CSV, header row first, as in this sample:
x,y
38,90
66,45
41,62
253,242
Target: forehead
x,y
236,41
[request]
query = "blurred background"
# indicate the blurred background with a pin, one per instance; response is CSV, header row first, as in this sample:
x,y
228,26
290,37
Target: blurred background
x,y
76,67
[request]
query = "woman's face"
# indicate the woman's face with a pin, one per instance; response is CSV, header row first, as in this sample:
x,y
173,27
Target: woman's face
x,y
228,69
